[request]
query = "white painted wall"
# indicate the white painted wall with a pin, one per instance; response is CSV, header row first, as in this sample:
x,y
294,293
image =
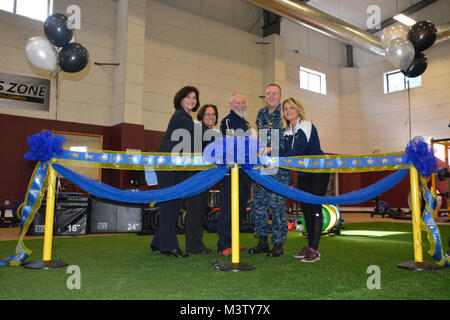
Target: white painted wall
x,y
85,97
238,14
166,48
182,48
312,44
384,117
336,114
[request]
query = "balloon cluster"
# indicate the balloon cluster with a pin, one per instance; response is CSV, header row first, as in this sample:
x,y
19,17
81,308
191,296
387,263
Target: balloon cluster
x,y
403,46
56,50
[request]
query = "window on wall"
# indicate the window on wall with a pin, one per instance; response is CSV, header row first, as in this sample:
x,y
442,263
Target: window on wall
x,y
313,80
83,142
34,9
396,81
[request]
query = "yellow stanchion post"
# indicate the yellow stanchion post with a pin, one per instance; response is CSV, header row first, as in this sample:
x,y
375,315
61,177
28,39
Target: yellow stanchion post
x,y
47,262
418,263
49,215
235,214
235,264
415,199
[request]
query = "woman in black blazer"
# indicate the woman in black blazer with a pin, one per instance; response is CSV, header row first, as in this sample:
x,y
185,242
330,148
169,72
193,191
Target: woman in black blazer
x,y
197,205
165,240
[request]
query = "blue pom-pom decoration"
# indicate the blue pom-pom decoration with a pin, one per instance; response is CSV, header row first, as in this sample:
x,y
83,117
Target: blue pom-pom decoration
x,y
421,155
242,150
43,146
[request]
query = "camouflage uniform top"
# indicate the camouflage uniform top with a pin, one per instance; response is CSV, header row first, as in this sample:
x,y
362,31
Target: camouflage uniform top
x,y
266,120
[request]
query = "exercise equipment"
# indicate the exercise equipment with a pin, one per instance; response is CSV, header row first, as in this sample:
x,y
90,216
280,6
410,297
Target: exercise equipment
x,y
111,217
7,222
331,220
380,207
442,174
70,218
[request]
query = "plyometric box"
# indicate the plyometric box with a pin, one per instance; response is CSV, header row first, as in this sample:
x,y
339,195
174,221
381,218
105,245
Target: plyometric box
x,y
113,217
70,216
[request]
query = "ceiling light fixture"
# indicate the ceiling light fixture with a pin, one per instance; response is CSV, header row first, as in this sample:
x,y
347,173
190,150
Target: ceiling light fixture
x,y
404,19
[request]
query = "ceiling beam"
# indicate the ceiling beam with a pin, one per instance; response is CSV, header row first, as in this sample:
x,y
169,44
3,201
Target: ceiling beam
x,y
408,11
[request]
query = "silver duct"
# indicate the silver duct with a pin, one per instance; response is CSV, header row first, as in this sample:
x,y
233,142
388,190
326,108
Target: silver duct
x,y
333,26
443,32
323,22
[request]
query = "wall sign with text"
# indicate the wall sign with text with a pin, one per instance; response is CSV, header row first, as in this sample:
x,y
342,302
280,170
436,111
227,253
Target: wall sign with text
x,y
24,92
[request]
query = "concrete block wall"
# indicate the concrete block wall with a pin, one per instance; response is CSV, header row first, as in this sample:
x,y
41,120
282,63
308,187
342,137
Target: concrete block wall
x,y
184,49
161,48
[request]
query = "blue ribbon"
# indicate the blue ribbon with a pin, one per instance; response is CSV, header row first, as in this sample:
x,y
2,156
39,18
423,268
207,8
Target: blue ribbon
x,y
132,159
228,150
342,163
18,259
192,186
431,228
43,146
421,155
243,151
348,198
31,206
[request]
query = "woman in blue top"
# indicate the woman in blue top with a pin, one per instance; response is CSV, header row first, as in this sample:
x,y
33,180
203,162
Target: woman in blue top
x,y
301,139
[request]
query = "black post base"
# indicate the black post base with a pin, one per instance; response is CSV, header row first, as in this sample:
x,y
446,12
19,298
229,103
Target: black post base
x,y
419,266
52,264
233,267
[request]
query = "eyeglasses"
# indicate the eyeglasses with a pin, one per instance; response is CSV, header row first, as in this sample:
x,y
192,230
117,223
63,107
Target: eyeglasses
x,y
272,93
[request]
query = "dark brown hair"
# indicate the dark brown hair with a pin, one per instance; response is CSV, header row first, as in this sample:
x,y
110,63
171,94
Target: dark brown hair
x,y
183,93
201,112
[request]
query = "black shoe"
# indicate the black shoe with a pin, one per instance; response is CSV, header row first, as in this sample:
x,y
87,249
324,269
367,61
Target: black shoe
x,y
201,251
154,248
176,253
302,253
276,251
261,247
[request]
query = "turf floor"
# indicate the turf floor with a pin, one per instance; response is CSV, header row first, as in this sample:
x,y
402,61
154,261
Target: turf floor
x,y
122,267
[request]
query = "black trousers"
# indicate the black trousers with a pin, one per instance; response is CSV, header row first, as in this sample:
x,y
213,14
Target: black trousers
x,y
314,183
166,237
224,220
195,221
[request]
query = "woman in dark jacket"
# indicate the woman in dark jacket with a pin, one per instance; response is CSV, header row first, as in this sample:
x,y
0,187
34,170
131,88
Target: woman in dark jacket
x,y
186,100
196,206
301,139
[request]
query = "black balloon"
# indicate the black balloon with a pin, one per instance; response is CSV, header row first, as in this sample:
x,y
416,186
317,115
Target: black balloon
x,y
417,66
56,29
422,35
73,57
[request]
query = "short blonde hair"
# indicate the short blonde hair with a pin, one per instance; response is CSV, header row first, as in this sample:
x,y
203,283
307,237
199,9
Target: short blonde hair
x,y
298,106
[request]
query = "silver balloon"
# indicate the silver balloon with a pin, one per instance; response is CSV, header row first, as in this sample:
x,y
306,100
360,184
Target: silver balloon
x,y
41,53
400,53
392,32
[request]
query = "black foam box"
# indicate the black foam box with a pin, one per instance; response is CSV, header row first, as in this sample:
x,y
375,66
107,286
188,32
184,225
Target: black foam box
x,y
70,216
113,217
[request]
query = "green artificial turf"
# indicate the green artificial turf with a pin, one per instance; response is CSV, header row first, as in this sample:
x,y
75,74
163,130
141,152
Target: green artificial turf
x,y
122,267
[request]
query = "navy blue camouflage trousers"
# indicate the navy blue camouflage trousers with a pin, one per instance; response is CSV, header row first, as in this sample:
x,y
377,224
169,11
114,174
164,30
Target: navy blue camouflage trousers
x,y
263,201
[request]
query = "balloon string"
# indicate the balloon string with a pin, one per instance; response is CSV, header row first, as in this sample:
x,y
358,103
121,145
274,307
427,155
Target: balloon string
x,y
409,109
56,99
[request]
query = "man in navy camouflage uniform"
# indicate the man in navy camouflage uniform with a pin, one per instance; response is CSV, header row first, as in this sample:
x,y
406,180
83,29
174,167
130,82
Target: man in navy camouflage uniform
x,y
270,119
